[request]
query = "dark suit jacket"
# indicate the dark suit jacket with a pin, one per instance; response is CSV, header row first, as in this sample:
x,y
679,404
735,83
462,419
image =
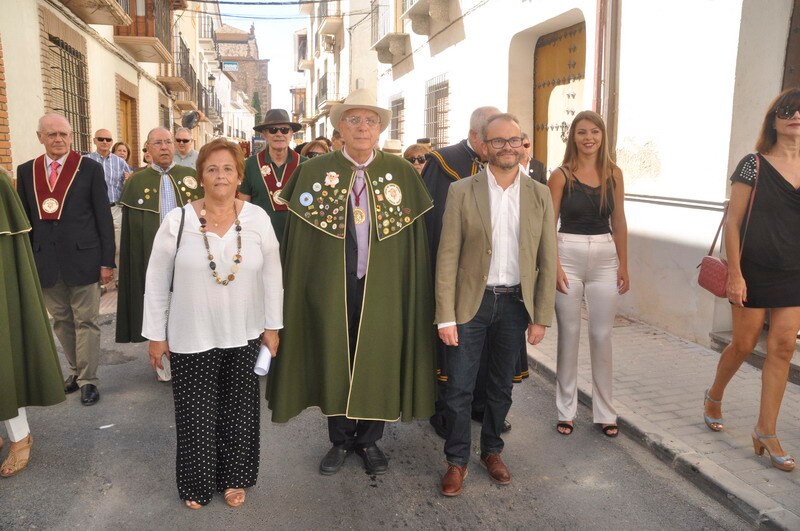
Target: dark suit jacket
x,y
537,171
75,246
445,166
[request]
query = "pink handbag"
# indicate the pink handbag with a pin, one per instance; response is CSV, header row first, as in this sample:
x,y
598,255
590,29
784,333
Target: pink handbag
x,y
713,269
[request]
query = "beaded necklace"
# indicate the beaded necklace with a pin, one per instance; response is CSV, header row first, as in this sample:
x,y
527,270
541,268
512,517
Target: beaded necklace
x,y
237,259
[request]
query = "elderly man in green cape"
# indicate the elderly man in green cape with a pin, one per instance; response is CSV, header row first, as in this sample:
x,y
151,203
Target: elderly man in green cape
x,y
30,374
148,196
358,336
269,171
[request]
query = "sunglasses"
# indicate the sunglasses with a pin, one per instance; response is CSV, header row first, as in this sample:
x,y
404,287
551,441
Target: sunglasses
x,y
283,130
784,113
419,160
144,150
103,139
312,154
183,140
526,145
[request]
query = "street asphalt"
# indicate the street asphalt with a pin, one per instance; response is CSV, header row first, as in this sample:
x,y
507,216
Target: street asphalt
x,y
111,466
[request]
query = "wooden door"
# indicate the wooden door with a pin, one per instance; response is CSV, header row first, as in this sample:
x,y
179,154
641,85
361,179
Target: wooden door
x,y
125,120
559,65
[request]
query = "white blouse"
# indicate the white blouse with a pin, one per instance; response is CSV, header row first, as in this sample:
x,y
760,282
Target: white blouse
x,y
203,314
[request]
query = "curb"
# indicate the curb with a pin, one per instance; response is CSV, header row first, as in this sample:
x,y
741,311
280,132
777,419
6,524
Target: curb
x,y
711,478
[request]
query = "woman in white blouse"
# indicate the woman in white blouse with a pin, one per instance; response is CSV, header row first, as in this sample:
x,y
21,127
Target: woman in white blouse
x,y
227,301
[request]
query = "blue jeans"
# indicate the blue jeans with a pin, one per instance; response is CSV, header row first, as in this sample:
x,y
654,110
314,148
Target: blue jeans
x,y
501,320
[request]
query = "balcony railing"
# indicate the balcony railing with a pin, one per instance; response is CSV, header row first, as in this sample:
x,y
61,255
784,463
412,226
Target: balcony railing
x,y
148,37
408,4
380,19
326,89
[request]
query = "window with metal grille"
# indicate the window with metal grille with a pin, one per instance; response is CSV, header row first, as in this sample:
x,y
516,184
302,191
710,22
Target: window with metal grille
x,y
70,90
437,107
396,128
166,123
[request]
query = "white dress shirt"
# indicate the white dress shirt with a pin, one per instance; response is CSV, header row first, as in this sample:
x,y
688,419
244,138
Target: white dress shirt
x,y
203,314
504,208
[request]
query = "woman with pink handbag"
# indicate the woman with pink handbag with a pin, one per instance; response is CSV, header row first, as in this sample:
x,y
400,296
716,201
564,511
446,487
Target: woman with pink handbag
x,y
765,275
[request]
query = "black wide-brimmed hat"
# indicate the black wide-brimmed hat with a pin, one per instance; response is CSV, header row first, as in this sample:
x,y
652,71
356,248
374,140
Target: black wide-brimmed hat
x,y
277,117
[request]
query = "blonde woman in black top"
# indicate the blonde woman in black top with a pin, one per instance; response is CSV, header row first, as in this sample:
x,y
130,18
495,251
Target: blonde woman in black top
x,y
588,196
766,275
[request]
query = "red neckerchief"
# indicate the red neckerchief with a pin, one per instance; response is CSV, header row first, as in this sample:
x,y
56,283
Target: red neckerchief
x,y
271,180
50,201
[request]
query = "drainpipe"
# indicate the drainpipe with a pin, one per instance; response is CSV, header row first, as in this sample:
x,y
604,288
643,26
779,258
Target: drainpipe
x,y
606,66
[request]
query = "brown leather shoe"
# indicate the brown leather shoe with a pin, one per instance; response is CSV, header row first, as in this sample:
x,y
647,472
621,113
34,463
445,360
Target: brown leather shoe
x,y
453,479
497,469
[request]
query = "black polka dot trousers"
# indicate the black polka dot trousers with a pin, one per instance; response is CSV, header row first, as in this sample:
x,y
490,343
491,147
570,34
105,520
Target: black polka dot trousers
x,y
217,417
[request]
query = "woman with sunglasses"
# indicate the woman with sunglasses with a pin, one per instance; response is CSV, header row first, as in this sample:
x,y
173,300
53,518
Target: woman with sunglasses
x,y
764,274
588,195
417,155
315,148
268,172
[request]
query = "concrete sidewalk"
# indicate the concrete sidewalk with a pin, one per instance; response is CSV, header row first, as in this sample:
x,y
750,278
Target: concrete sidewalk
x,y
659,383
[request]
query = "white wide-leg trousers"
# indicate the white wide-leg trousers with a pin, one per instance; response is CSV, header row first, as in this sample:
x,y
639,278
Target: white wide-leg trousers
x,y
590,263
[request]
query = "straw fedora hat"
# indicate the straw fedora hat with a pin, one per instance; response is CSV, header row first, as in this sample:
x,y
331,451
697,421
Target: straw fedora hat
x,y
392,145
361,99
277,117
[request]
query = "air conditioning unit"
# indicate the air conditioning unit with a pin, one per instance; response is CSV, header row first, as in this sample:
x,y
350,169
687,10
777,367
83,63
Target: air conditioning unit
x,y
328,42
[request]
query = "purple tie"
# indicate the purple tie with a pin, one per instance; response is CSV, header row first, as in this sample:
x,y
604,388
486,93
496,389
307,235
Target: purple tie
x,y
359,198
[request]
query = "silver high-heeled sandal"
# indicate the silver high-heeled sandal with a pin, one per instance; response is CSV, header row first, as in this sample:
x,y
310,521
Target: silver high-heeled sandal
x,y
713,424
781,462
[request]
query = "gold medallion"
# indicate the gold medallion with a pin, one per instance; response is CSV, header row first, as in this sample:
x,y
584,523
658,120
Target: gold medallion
x,y
190,181
359,216
50,205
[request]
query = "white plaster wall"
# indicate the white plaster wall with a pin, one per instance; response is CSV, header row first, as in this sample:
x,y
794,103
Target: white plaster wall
x,y
485,60
694,79
687,113
19,31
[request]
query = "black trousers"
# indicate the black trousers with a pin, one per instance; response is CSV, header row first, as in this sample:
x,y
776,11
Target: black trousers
x,y
217,418
354,433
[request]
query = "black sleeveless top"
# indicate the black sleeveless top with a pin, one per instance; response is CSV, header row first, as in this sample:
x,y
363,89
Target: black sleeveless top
x,y
580,209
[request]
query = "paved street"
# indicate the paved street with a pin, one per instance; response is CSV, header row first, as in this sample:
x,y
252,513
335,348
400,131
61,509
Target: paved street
x,y
659,381
112,466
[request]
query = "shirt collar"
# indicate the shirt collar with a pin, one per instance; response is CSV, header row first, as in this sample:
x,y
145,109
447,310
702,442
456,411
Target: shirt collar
x,y
493,181
49,161
161,170
369,160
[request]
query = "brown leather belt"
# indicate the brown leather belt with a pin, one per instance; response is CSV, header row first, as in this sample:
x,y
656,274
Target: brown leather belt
x,y
505,290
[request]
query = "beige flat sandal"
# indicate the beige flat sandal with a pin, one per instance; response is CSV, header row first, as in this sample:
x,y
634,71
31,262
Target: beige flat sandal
x,y
234,497
191,504
14,464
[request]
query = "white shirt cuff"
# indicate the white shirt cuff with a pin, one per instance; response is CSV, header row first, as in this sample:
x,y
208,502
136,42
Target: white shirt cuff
x,y
445,325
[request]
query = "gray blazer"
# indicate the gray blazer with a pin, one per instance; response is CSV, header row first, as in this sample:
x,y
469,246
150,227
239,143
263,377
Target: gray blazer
x,y
465,250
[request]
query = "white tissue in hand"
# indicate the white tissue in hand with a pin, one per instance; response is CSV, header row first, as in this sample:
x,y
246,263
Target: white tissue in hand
x,y
262,363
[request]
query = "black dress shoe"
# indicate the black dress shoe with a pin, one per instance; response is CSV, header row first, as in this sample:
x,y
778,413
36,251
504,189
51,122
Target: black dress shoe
x,y
374,460
439,426
71,384
333,460
89,395
477,416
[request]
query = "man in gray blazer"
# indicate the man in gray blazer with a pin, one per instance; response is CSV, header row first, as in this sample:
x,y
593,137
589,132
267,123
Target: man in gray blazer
x,y
495,277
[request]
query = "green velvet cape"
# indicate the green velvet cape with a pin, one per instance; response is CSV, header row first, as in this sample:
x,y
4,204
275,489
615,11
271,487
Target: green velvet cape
x,y
140,222
30,373
254,186
392,373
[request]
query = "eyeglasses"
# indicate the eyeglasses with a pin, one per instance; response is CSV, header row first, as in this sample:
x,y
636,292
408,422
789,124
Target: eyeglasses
x,y
53,136
283,130
498,143
526,145
183,140
784,113
159,143
103,139
419,159
312,154
355,121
